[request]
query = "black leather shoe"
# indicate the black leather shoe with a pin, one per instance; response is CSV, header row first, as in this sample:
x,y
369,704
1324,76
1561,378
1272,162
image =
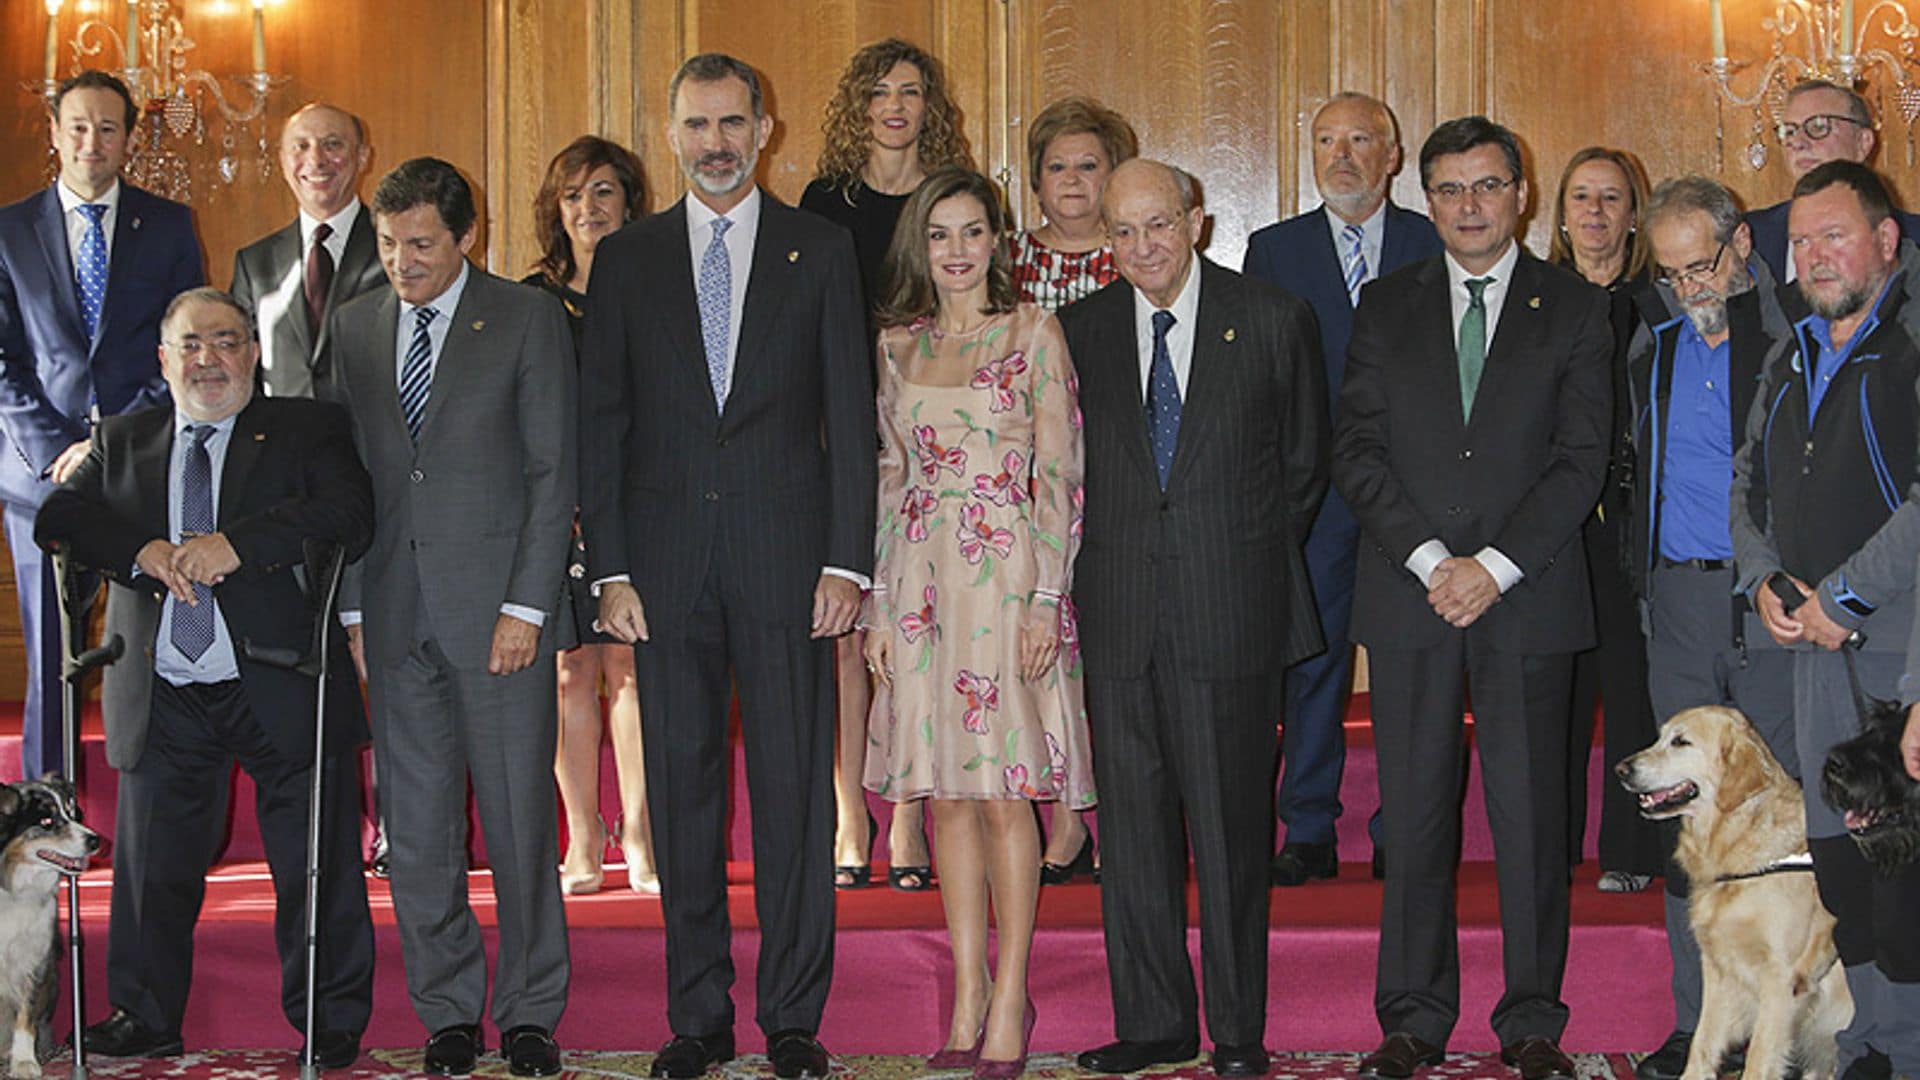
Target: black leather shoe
x,y
1298,864
687,1056
334,1049
1379,864
1668,1062
1230,1060
1400,1055
1128,1056
122,1034
797,1053
529,1051
454,1051
1538,1058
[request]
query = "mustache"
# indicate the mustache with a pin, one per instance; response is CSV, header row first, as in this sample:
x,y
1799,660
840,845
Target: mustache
x,y
718,159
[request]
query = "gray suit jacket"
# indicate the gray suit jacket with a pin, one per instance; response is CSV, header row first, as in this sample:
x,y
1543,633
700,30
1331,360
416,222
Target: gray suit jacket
x,y
480,512
267,280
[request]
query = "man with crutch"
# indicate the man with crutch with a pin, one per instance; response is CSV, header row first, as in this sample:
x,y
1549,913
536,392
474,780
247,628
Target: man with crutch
x,y
199,515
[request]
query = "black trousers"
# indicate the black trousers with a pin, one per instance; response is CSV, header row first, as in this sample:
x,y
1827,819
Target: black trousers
x,y
1614,673
168,825
685,677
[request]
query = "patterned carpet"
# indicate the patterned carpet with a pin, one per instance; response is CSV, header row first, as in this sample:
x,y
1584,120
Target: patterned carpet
x,y
386,1064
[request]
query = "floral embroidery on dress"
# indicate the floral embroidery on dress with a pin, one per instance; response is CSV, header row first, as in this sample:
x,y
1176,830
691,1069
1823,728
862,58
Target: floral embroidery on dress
x,y
918,507
1008,487
978,535
916,623
983,697
996,376
934,457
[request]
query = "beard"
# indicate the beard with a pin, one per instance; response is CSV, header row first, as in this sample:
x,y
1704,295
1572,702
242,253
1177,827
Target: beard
x,y
1849,301
1352,204
1707,311
723,183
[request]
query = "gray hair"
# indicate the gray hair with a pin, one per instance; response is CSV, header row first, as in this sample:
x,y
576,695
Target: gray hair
x,y
1694,194
1856,105
1386,114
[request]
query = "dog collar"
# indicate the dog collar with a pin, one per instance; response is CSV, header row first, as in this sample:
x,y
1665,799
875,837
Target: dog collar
x,y
1791,864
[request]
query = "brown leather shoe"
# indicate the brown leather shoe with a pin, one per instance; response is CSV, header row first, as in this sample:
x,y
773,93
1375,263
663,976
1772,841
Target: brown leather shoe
x,y
1538,1058
1400,1056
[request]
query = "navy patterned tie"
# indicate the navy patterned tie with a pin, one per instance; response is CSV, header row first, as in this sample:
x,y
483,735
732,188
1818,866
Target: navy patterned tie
x,y
716,306
193,625
1163,399
416,378
92,270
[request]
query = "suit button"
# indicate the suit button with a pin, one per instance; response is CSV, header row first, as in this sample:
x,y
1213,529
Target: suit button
x,y
720,442
713,496
417,476
1466,455
1455,511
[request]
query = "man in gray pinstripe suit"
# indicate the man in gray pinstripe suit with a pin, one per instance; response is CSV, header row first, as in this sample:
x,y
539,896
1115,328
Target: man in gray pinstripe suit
x,y
1205,404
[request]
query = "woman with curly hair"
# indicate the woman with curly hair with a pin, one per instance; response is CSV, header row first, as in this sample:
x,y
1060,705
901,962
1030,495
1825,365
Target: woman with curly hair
x,y
888,125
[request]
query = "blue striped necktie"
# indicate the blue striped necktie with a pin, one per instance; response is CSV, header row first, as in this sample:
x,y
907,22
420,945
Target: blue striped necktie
x,y
416,378
193,624
1355,261
92,271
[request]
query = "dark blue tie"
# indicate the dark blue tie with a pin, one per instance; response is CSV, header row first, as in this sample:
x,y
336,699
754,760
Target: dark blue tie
x,y
416,376
193,625
1163,399
92,271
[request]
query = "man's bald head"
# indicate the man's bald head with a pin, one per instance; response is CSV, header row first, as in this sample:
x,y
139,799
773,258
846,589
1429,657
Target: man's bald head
x,y
1153,219
323,151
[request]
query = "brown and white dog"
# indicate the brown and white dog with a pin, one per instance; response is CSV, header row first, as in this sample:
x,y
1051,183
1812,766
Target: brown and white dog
x,y
41,841
1771,977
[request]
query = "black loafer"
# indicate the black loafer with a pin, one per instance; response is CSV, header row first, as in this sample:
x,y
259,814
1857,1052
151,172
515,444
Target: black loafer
x,y
1538,1058
1668,1062
688,1056
797,1053
454,1051
1400,1055
1298,864
1128,1055
334,1049
122,1034
1231,1060
530,1051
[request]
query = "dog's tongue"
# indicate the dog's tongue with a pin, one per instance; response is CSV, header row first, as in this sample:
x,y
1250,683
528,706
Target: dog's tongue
x,y
1856,820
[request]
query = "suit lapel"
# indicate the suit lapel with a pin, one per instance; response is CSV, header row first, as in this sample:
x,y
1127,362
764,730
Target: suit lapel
x,y
245,444
465,338
1215,352
1393,242
1324,260
152,453
1521,316
129,235
672,268
767,288
51,227
1119,346
386,380
1432,322
282,259
356,259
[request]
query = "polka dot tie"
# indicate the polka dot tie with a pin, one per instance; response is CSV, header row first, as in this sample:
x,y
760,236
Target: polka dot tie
x,y
1163,399
93,267
193,623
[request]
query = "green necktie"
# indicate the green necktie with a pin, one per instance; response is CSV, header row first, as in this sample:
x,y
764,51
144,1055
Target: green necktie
x,y
1473,343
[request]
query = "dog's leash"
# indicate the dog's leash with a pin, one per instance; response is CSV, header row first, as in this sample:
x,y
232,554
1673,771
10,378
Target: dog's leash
x,y
1801,863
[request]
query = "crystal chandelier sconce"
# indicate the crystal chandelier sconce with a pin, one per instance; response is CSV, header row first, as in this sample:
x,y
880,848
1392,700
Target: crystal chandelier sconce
x,y
193,137
1818,39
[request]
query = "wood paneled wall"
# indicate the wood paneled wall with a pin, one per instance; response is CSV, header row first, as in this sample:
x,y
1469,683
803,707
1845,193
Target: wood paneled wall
x,y
1223,88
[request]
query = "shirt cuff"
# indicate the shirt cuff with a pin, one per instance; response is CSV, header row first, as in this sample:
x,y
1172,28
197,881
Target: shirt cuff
x,y
1424,558
1505,573
608,580
861,580
525,614
351,618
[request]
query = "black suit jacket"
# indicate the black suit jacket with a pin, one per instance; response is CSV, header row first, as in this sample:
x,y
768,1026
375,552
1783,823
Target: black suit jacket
x,y
1520,476
1247,477
787,472
267,282
290,474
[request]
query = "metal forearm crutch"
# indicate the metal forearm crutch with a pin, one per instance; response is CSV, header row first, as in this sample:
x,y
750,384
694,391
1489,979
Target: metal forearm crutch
x,y
325,562
69,584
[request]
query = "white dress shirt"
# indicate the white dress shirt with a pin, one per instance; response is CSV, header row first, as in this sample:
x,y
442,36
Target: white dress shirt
x,y
78,223
218,663
336,243
1186,311
1494,297
739,242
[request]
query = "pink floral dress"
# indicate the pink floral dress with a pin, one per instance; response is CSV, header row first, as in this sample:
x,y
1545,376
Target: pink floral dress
x,y
980,472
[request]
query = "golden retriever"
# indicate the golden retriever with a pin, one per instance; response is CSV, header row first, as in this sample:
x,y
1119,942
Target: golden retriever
x,y
1771,977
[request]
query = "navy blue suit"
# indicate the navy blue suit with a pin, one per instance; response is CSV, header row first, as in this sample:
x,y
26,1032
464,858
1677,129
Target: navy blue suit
x,y
51,377
1769,228
1299,256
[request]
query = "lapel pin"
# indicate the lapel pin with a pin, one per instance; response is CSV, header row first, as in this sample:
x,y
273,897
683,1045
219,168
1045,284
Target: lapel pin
x,y
259,436
481,324
134,224
1533,302
793,256
1229,334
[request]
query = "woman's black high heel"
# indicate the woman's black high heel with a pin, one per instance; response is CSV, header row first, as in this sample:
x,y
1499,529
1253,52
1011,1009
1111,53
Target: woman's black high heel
x,y
1055,874
859,875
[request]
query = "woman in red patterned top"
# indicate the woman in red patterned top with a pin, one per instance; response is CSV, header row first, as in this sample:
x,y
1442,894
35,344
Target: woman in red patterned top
x,y
1071,147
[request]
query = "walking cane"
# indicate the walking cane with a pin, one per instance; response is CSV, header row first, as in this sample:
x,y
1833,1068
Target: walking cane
x,y
69,584
325,562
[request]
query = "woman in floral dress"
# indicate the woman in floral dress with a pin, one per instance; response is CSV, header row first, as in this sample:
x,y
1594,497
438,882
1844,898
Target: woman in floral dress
x,y
969,630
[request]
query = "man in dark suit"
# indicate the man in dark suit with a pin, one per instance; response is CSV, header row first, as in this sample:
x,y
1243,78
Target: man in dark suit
x,y
1206,425
292,279
1324,256
1471,441
1821,122
86,269
198,515
727,431
461,387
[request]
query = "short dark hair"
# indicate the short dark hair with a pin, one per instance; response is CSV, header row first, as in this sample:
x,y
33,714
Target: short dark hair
x,y
1463,134
1866,184
578,158
207,294
92,79
427,181
714,67
907,290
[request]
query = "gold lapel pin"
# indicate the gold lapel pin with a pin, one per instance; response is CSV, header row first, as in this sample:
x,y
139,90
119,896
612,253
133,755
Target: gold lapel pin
x,y
259,436
1229,334
1533,302
793,256
481,324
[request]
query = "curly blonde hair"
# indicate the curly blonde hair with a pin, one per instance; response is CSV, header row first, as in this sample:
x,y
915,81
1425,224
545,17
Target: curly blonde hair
x,y
848,133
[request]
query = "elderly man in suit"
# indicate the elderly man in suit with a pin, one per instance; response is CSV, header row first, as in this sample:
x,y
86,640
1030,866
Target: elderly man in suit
x,y
1471,441
198,514
86,269
292,279
1821,122
461,387
1324,256
727,430
1205,405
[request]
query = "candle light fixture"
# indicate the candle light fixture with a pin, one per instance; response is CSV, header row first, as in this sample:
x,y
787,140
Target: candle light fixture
x,y
183,109
1818,39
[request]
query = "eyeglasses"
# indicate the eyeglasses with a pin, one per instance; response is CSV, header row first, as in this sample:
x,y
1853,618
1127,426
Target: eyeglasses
x,y
1816,127
225,345
1485,187
1697,274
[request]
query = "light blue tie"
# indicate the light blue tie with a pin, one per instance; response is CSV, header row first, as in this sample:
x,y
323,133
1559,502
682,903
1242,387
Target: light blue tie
x,y
93,267
416,378
1355,261
193,624
716,302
